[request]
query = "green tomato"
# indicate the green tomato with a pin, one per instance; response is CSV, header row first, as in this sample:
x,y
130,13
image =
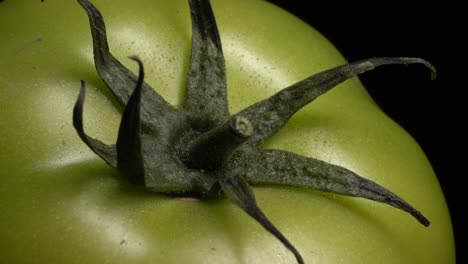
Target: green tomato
x,y
60,203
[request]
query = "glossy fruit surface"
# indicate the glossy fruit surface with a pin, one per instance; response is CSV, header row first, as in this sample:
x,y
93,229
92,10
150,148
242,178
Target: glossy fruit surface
x,y
61,204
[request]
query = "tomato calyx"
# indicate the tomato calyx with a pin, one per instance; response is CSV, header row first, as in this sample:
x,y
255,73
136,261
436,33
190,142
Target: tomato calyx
x,y
201,148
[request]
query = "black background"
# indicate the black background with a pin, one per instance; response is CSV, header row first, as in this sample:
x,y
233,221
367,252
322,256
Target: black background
x,y
431,111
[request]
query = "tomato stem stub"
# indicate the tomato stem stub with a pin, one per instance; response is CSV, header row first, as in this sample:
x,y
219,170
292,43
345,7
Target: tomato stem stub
x,y
201,148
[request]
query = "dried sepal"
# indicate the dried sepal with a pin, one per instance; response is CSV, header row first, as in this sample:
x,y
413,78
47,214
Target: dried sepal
x,y
121,81
269,115
276,167
239,192
107,152
206,91
130,160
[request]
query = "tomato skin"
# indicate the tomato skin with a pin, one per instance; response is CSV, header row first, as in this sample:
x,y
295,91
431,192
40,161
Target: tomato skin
x,y
62,204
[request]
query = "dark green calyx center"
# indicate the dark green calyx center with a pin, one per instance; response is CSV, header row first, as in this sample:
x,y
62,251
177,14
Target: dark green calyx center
x,y
201,147
210,150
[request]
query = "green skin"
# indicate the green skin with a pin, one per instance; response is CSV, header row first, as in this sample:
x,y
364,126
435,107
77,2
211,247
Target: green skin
x,y
61,204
